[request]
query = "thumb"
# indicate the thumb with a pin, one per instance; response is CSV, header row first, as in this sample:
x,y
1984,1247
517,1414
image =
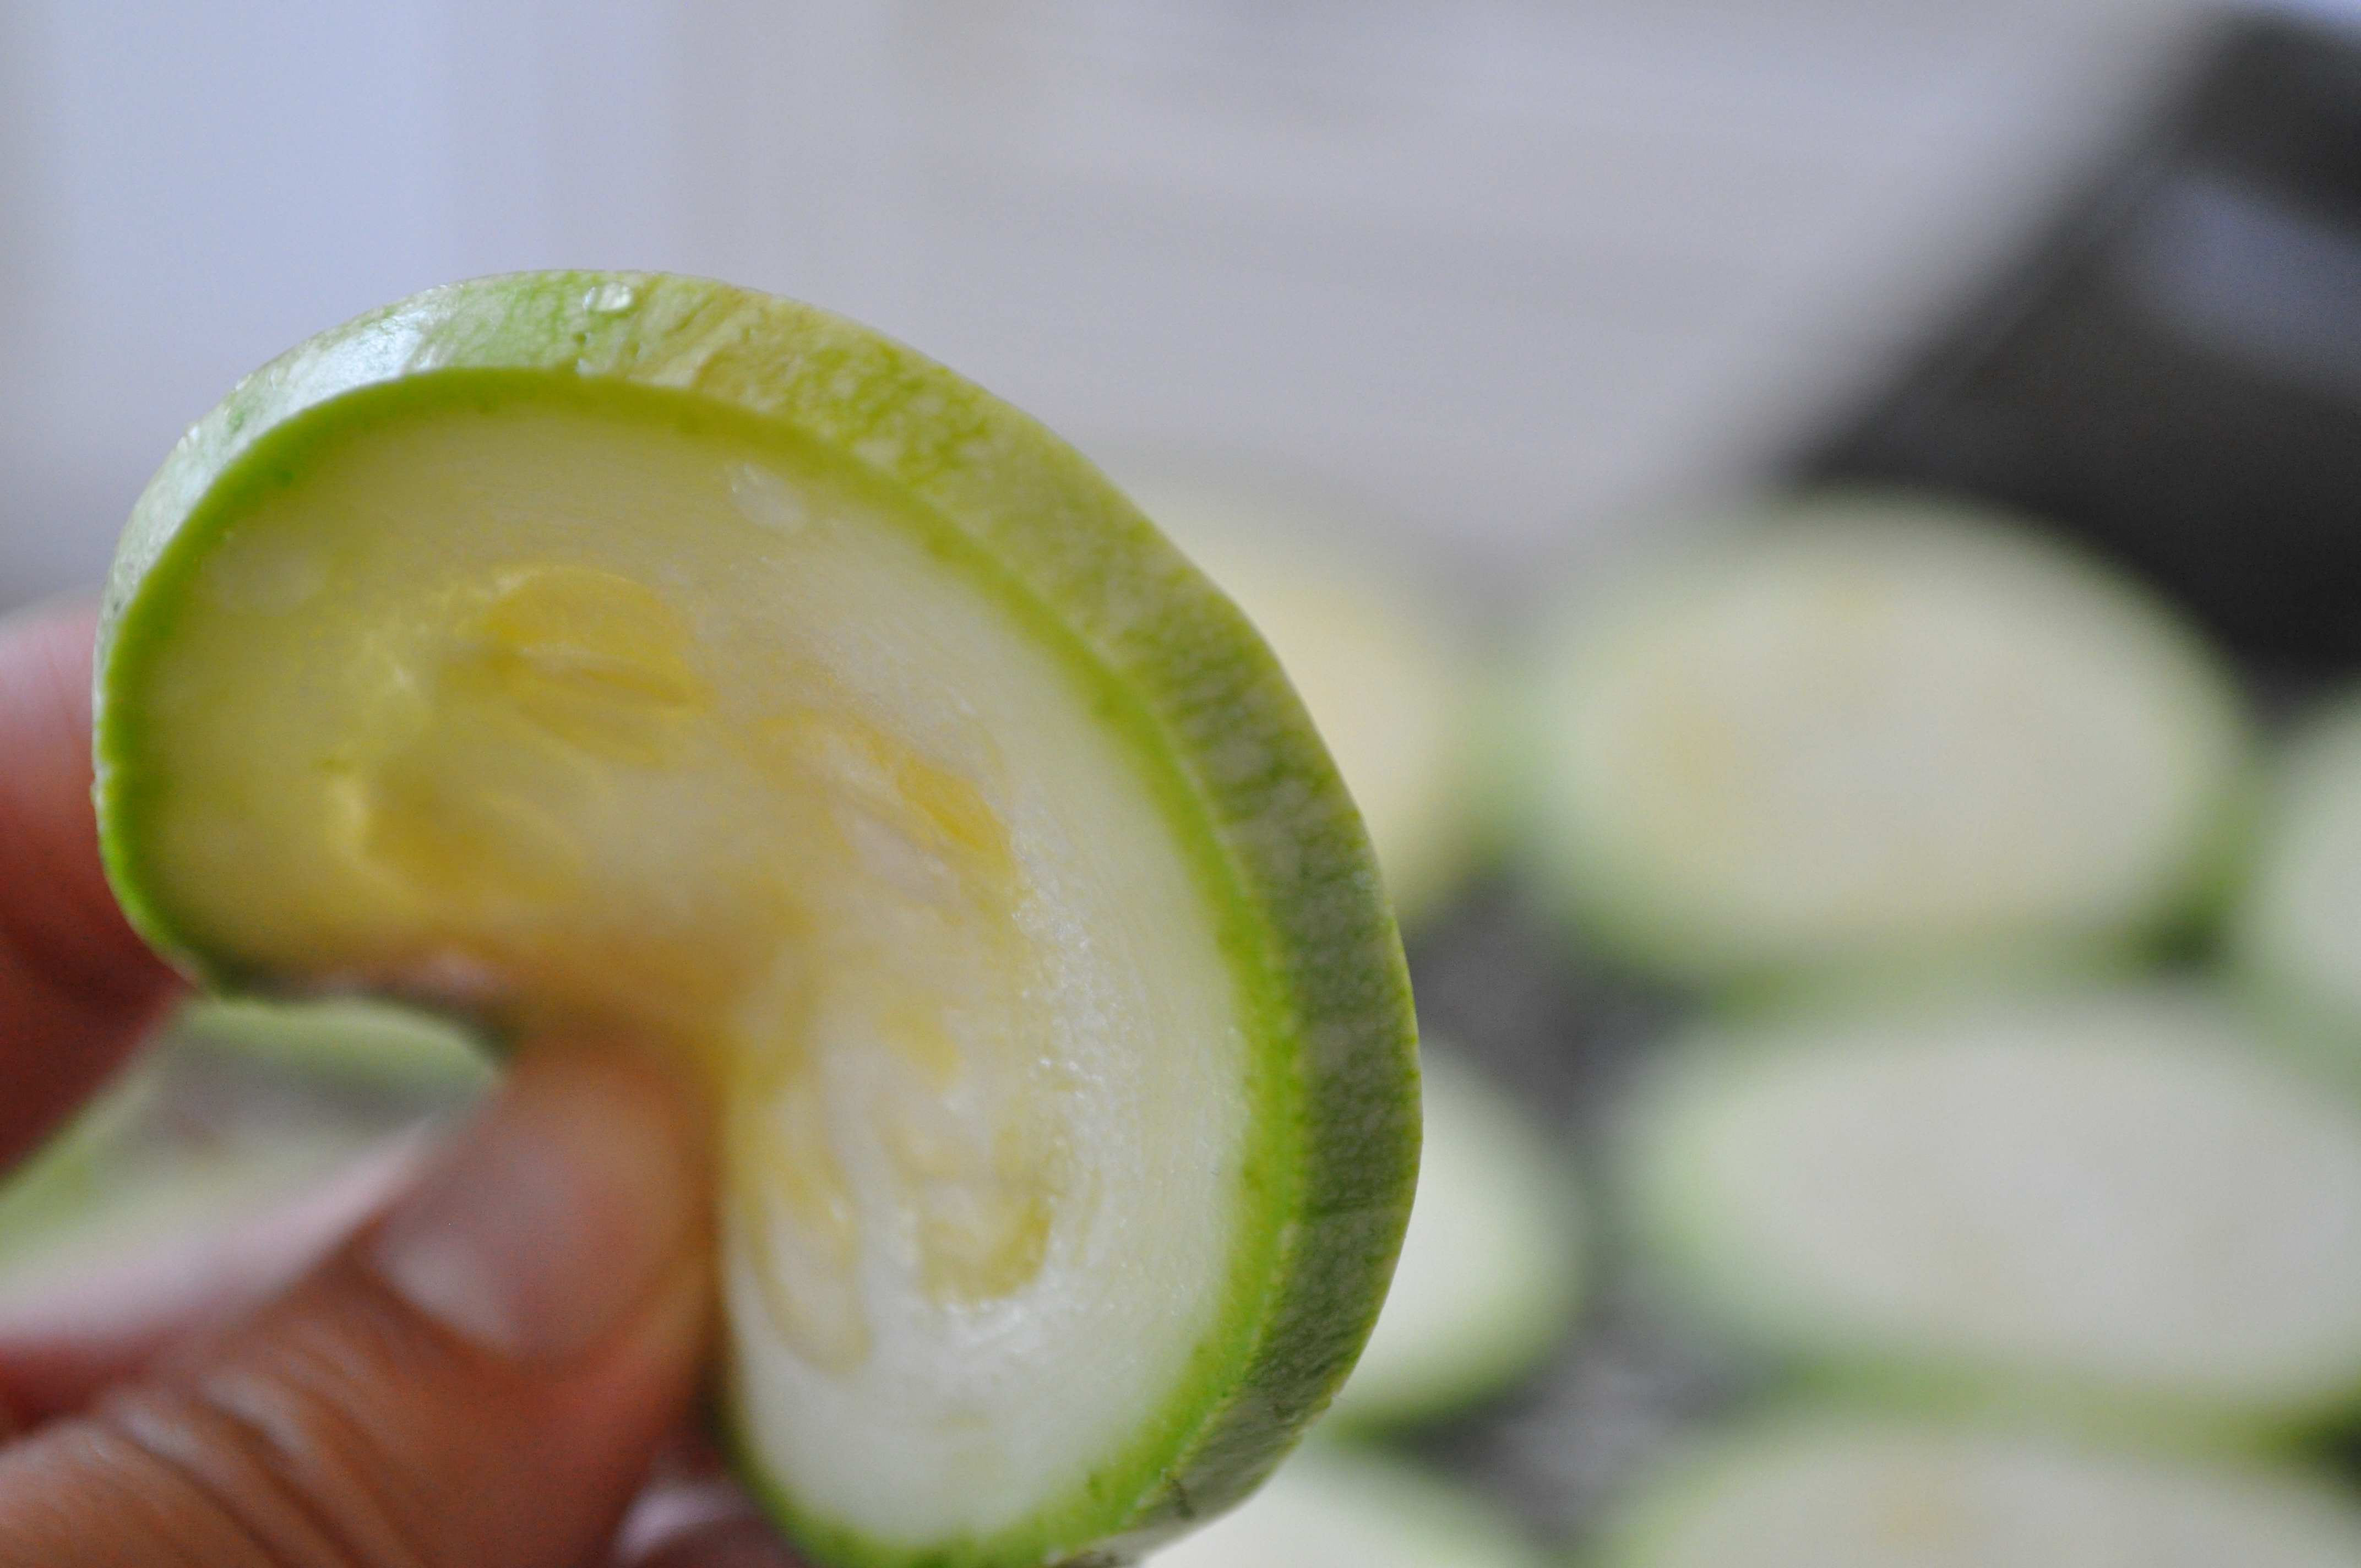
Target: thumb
x,y
481,1378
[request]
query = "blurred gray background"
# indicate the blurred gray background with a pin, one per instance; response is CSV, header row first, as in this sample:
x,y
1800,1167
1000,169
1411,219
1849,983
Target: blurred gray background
x,y
1515,276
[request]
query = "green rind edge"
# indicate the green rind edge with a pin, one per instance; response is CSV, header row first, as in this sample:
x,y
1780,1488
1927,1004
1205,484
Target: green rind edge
x,y
1433,866
1675,1240
1543,1324
1514,1342
1233,760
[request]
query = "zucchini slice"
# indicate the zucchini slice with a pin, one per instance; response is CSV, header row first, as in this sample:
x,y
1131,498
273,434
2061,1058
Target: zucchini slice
x,y
2124,1207
362,1044
1876,735
629,655
1836,1491
2297,927
232,1115
1330,1508
1387,677
1491,1277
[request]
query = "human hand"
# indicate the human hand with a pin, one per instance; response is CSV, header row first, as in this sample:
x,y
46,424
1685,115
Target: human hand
x,y
486,1372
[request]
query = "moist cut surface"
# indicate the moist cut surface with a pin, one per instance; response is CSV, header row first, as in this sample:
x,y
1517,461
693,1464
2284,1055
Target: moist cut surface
x,y
599,708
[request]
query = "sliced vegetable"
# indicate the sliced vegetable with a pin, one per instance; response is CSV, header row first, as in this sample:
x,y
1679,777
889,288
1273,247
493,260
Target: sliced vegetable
x,y
1878,735
1832,1491
1491,1269
222,1122
1331,1510
1386,677
2123,1206
365,1043
617,655
2298,924
50,1198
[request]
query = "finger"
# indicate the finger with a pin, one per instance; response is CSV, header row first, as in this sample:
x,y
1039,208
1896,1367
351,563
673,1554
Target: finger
x,y
77,987
481,1378
107,1322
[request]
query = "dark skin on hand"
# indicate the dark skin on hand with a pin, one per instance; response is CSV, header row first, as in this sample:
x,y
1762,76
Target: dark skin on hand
x,y
490,1359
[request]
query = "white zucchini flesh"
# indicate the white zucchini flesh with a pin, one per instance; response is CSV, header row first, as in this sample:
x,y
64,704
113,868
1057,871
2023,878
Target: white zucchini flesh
x,y
1878,734
1837,1492
639,661
2298,924
373,781
2123,1202
1387,677
1490,1275
1331,1509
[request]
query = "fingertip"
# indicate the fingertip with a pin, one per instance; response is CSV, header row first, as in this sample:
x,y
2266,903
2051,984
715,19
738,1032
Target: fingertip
x,y
577,1195
497,1364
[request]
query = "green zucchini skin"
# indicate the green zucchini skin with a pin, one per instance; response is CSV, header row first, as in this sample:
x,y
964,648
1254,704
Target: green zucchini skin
x,y
1816,1325
1493,1276
1276,846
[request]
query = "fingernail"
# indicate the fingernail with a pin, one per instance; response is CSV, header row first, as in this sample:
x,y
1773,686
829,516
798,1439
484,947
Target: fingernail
x,y
556,1214
741,1543
698,1524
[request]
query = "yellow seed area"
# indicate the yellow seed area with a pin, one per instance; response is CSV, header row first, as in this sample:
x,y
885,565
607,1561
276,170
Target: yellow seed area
x,y
793,1211
592,658
985,1222
852,973
465,832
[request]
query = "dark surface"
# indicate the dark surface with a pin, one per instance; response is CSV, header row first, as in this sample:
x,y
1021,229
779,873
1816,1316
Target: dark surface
x,y
1503,986
2172,369
2170,373
1633,1384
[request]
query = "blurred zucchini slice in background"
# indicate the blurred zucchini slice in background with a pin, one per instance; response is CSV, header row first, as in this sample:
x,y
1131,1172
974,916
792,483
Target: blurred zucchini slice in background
x,y
2297,927
367,1045
1491,1270
1333,1509
623,656
232,1113
1871,734
2124,1208
1389,680
1835,1491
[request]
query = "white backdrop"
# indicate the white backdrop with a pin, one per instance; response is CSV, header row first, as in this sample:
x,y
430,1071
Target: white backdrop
x,y
1515,274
